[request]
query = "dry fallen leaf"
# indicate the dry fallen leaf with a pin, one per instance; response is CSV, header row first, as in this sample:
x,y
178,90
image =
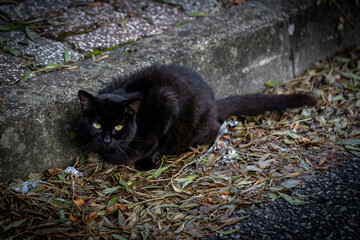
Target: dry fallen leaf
x,y
79,202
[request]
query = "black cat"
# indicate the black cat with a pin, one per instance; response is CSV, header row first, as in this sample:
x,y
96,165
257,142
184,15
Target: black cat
x,y
164,109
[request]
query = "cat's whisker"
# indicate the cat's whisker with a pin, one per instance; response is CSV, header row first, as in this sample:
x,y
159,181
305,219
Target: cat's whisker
x,y
91,147
122,155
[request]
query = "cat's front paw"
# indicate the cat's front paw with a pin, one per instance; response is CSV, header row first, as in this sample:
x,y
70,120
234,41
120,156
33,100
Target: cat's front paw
x,y
144,165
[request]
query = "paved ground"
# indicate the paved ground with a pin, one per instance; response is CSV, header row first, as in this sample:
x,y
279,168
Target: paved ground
x,y
333,213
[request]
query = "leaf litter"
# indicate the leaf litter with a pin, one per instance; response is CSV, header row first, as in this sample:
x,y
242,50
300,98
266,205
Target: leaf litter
x,y
254,160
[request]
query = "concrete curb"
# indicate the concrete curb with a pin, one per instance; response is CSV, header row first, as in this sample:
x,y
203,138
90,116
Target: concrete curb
x,y
236,50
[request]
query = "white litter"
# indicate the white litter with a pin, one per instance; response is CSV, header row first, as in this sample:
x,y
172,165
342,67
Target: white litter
x,y
73,171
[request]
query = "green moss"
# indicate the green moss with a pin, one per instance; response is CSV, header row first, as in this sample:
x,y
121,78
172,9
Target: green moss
x,y
84,31
97,52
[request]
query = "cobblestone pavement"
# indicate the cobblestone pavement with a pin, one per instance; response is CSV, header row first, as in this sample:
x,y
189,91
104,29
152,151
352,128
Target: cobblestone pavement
x,y
36,33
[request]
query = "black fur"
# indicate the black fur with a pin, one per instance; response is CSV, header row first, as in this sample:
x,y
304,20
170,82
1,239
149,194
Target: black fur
x,y
164,109
255,104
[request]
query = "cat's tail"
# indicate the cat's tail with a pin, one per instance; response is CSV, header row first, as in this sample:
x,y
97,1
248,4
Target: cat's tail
x,y
254,104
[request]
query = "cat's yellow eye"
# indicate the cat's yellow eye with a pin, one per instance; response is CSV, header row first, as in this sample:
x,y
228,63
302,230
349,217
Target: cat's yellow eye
x,y
97,125
118,127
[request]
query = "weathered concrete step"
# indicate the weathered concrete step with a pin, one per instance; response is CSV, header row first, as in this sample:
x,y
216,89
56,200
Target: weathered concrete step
x,y
236,50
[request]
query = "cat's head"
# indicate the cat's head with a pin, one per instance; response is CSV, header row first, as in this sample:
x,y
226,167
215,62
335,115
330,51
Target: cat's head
x,y
108,124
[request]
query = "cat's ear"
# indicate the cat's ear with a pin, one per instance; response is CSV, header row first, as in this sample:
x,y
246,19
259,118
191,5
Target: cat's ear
x,y
132,106
86,100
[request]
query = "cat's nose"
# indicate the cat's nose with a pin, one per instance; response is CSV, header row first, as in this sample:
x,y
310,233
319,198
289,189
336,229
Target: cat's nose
x,y
107,140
